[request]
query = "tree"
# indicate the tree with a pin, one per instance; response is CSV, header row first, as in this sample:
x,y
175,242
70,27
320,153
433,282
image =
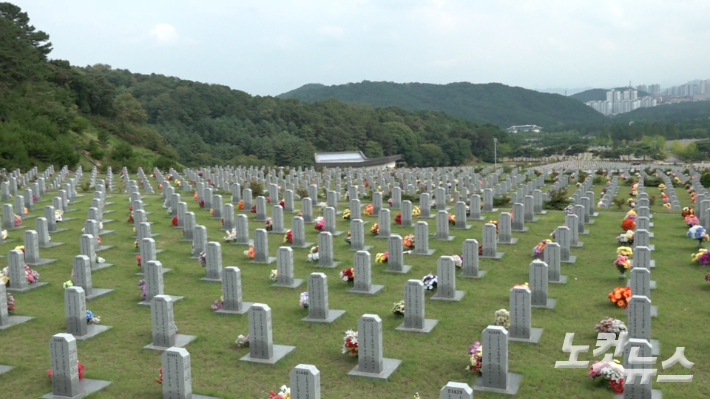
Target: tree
x,y
129,110
23,50
432,155
373,149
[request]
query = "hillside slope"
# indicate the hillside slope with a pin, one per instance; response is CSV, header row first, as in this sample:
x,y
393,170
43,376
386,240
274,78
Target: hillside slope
x,y
487,103
599,94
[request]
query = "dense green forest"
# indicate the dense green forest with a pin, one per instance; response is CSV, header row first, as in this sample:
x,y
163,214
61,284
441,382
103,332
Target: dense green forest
x,y
493,102
52,112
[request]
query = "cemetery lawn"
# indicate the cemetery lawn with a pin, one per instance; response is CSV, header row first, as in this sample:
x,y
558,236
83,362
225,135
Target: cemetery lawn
x,y
429,361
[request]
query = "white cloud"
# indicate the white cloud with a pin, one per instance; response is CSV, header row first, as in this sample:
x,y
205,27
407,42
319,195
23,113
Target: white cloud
x,y
165,34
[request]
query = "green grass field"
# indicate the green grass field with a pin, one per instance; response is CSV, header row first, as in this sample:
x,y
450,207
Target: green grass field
x,y
428,361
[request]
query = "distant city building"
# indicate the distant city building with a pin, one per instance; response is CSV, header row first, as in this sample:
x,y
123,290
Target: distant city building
x,y
524,128
619,102
355,159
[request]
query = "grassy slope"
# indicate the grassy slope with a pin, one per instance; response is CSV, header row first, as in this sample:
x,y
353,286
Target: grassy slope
x,y
429,361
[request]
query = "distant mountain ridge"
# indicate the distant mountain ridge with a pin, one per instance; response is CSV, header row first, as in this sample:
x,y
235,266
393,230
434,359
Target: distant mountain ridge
x,y
600,94
486,103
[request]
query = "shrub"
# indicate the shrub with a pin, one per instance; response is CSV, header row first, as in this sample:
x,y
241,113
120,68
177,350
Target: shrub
x,y
256,188
619,202
705,179
501,201
558,200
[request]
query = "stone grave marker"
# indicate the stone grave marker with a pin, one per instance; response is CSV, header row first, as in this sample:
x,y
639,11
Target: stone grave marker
x,y
213,267
552,259
277,226
325,250
32,258
572,221
242,223
642,258
75,315
6,320
261,346
505,234
639,321
442,227
460,210
384,221
421,239
640,283
164,328
304,382
261,247
43,238
65,370
456,390
407,214
538,275
521,328
469,263
371,363
260,209
232,291
641,239
82,278
425,206
362,266
298,233
446,287
414,315
634,389
496,377
318,307
519,218
490,248
199,240
284,267
579,211
562,236
395,261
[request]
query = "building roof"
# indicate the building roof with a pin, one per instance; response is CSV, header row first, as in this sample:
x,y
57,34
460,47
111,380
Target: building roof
x,y
351,158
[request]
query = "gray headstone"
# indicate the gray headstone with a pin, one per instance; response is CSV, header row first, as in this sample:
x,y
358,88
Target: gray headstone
x,y
456,390
65,367
325,250
213,268
189,227
370,353
305,382
421,239
495,358
82,274
406,214
520,314
261,344
75,311
639,322
164,329
199,240
177,374
469,264
261,246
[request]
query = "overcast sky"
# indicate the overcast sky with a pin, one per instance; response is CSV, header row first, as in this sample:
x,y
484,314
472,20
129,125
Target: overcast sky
x,y
267,47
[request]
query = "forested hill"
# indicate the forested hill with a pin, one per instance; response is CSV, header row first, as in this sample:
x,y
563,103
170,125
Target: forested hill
x,y
600,94
54,113
487,103
214,124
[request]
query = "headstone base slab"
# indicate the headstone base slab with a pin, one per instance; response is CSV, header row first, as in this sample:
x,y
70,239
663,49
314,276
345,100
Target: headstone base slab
x,y
365,248
277,231
337,233
333,314
374,289
28,288
106,232
41,262
541,213
382,237
655,394
428,217
15,320
579,244
58,230
655,347
27,217
594,214
52,244
458,295
107,221
511,242
332,266
481,273
524,229
430,252
92,330
180,342
295,284
475,219
70,210
447,238
165,270
173,297
405,269
245,308
97,293
513,385
268,261
572,259
5,369
550,304
249,243
305,245
100,266
498,255
429,325
280,351
535,334
467,227
9,240
388,367
211,280
533,220
562,280
585,232
492,210
86,388
103,248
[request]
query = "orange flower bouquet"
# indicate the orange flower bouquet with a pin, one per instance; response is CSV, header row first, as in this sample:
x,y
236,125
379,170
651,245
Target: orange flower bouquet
x,y
240,206
249,252
369,209
620,296
628,224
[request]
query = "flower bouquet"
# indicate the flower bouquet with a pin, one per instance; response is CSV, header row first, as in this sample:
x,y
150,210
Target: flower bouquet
x,y
284,393
569,210
138,260
452,219
398,308
620,296
611,325
202,258
130,218
249,253
10,304
495,223
350,342
141,285
691,220
626,238
626,251
349,238
667,205
416,211
369,209
91,318
375,229
240,205
313,254
274,275
628,224
475,352
697,232
159,380
408,241
382,257
218,303
631,214
702,257
3,235
608,372
202,204
242,341
194,196
458,260
79,366
398,219
622,264
346,214
288,237
231,235
253,209
707,278
303,300
269,224
430,281
30,275
68,284
58,216
17,220
687,211
539,250
502,318
174,221
389,201
319,223
348,275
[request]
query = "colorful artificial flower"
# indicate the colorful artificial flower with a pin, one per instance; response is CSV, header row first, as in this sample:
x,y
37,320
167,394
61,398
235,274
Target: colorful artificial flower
x,y
288,237
240,205
620,296
687,211
68,284
269,224
231,235
608,372
610,325
628,224
10,304
375,229
502,318
408,241
348,275
346,214
253,208
626,251
452,219
539,250
350,342
3,235
382,257
369,209
398,308
458,260
91,318
274,275
631,214
250,252
475,352
303,300
430,281
696,232
398,219
626,238
691,220
319,223
622,263
313,254
702,257
202,258
416,211
174,221
242,341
